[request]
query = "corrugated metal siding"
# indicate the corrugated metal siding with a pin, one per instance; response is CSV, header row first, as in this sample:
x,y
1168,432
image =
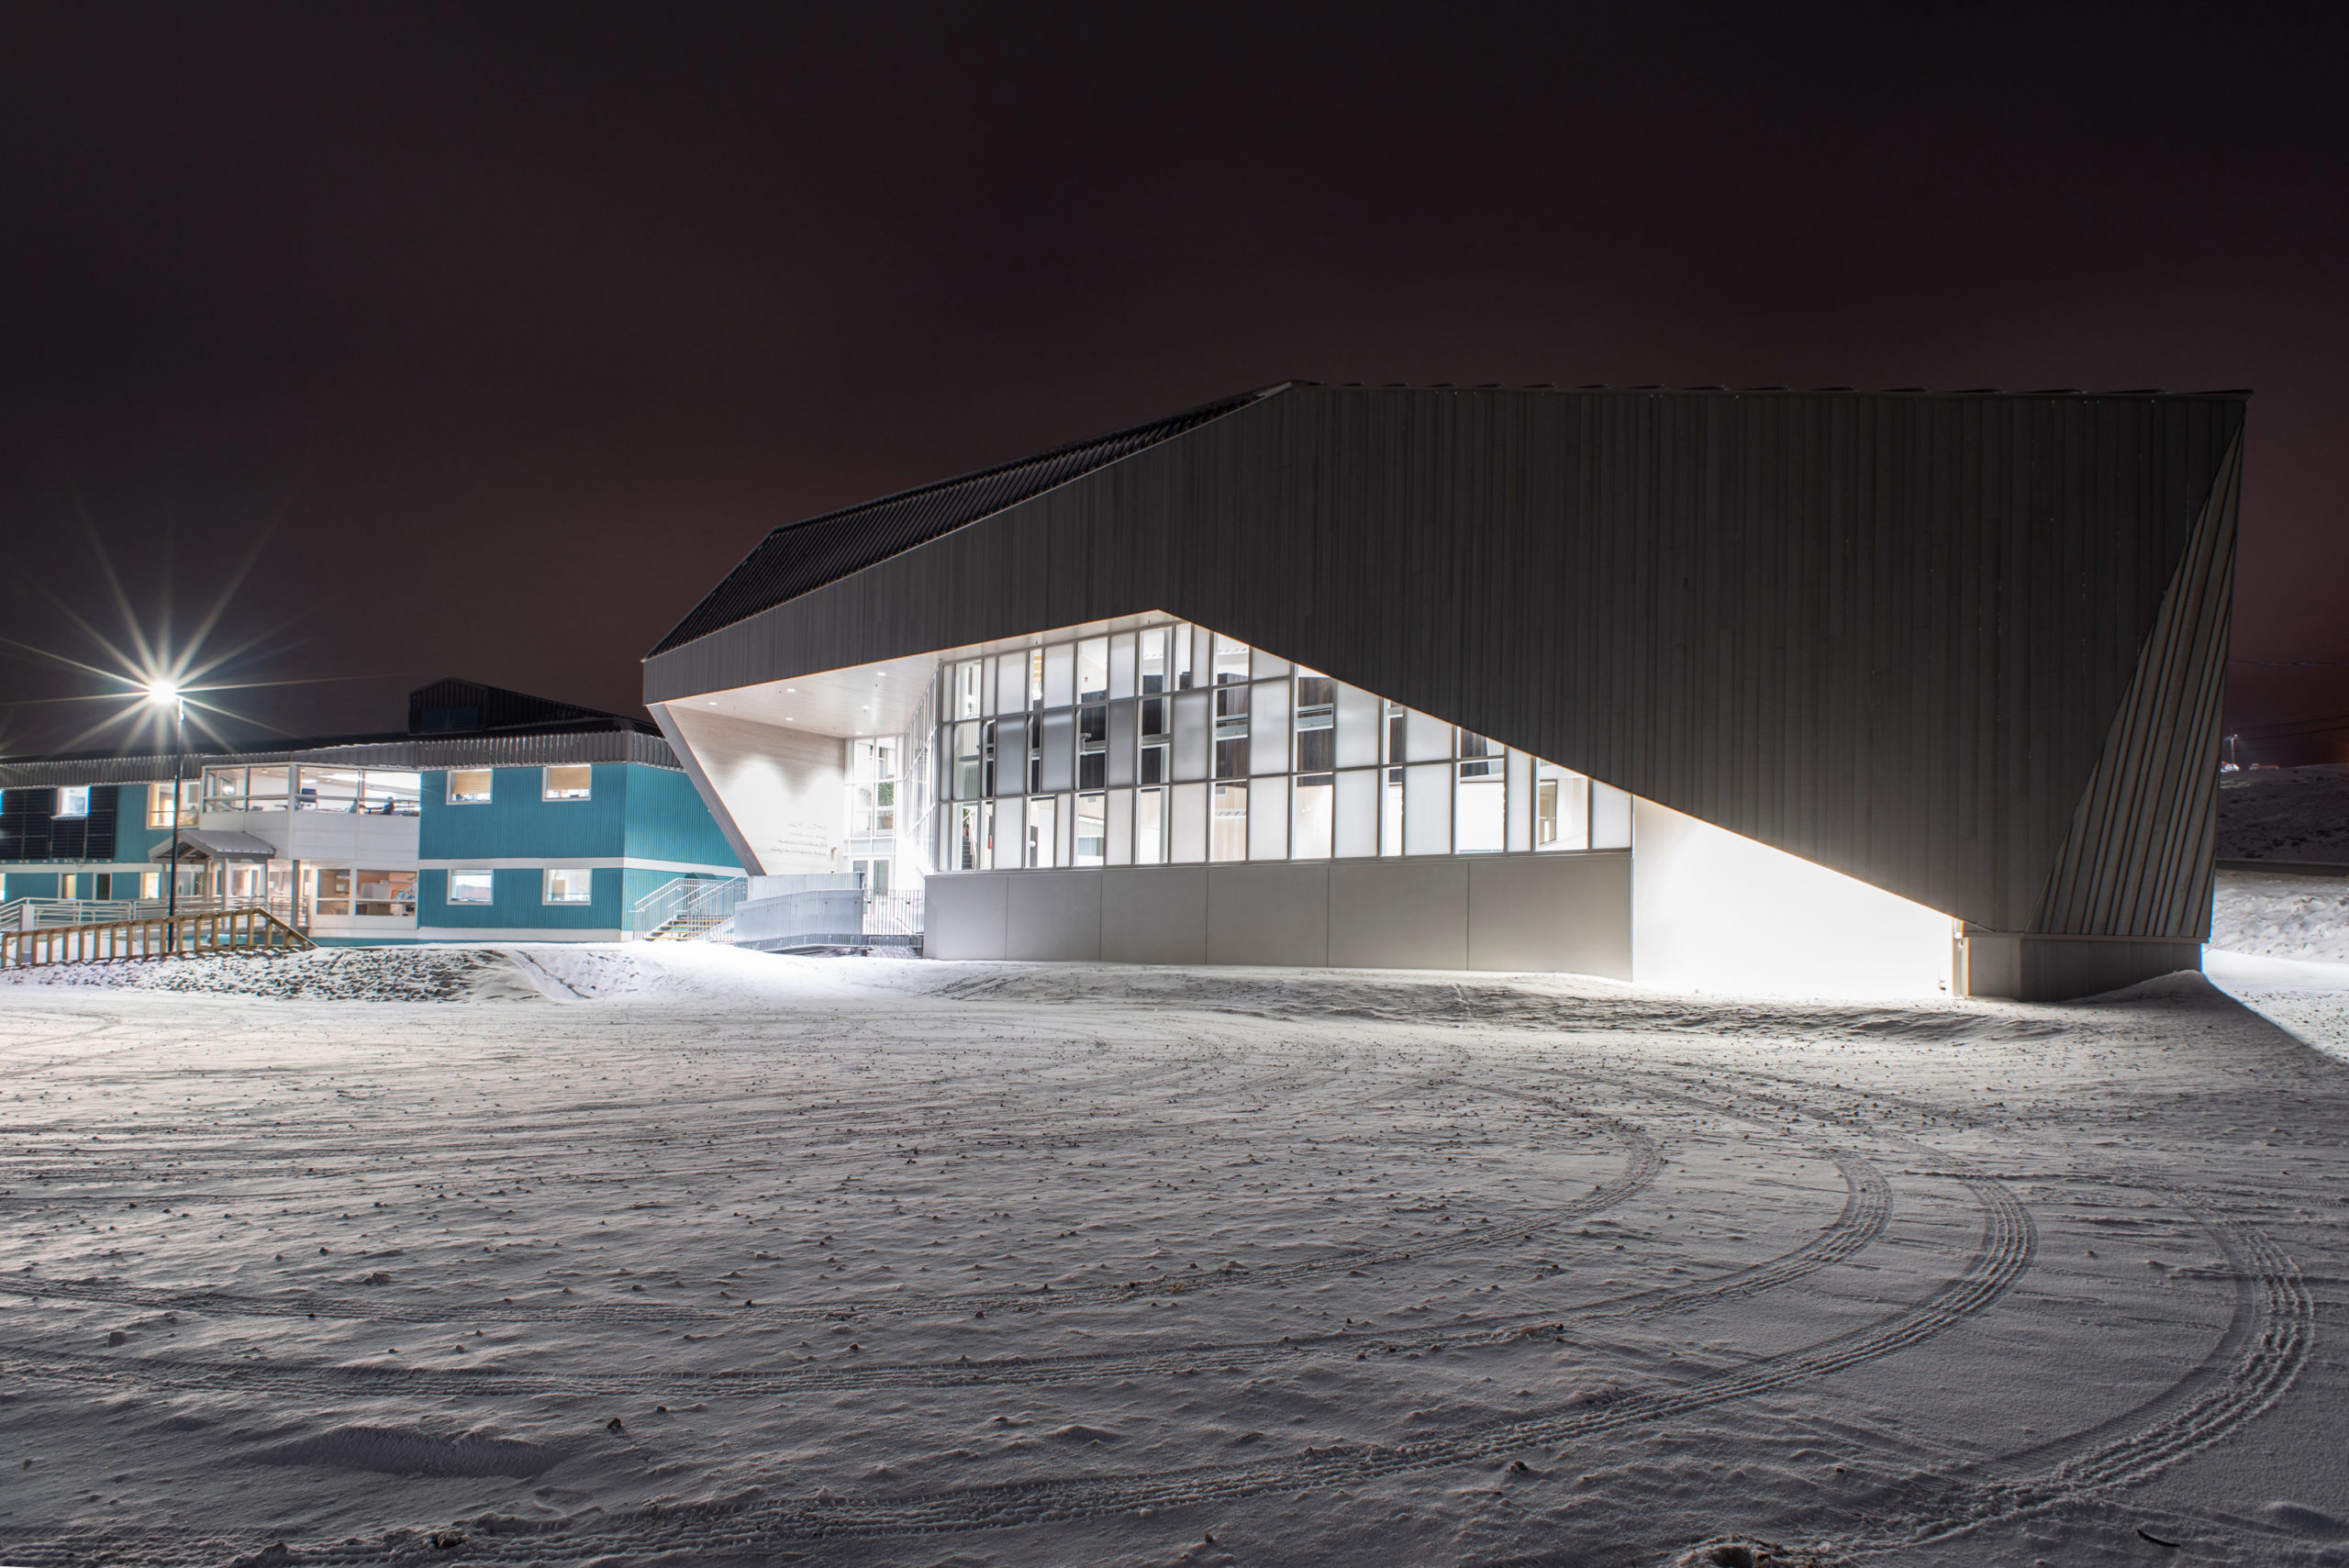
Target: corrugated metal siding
x,y
477,752
2137,859
805,555
1889,633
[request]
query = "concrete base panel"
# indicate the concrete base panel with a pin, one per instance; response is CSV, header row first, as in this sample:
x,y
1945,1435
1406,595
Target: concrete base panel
x,y
1269,914
1548,912
1399,915
1154,915
2024,968
1566,913
1052,915
963,916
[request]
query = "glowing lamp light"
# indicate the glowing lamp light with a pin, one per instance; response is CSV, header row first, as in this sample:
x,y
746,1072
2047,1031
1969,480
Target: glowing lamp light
x,y
162,692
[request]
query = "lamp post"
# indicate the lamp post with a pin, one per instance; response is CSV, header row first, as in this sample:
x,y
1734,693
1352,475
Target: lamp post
x,y
162,692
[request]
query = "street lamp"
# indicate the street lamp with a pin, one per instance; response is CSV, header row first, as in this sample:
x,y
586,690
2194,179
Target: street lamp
x,y
164,692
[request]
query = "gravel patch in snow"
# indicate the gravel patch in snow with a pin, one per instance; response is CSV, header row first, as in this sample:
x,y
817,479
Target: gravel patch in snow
x,y
319,975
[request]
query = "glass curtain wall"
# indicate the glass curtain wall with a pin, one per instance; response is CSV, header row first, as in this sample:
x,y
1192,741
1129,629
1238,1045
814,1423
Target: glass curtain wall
x,y
1175,745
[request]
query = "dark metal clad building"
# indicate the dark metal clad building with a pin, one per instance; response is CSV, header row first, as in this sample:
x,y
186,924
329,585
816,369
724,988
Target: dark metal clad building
x,y
1965,649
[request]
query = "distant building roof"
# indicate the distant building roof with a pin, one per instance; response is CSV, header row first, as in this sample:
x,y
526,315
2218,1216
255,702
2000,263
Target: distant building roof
x,y
453,723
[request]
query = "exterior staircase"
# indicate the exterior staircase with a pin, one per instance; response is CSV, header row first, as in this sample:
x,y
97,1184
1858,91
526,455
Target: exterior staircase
x,y
687,909
249,929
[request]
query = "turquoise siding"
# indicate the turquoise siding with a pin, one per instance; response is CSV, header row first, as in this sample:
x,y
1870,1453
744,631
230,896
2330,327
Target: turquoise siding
x,y
634,812
667,821
515,822
631,813
520,900
133,840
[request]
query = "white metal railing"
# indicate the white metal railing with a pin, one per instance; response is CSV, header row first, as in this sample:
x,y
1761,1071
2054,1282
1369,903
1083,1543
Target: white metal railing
x,y
28,913
807,914
687,908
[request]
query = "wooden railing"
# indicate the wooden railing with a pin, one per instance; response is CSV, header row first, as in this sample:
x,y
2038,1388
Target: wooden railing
x,y
210,931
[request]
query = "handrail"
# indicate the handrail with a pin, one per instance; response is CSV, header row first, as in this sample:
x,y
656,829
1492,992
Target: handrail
x,y
249,929
686,907
32,910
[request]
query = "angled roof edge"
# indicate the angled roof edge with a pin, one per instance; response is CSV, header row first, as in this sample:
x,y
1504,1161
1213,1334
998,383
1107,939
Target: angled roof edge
x,y
798,557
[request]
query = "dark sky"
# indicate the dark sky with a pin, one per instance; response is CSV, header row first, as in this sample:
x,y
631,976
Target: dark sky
x,y
500,332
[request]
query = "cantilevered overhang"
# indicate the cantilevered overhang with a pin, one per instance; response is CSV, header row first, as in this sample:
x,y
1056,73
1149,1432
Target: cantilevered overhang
x,y
1963,648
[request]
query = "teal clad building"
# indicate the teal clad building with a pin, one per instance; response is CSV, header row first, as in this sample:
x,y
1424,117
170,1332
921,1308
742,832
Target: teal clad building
x,y
494,817
554,851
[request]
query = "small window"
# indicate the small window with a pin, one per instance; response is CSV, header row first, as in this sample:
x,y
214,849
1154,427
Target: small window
x,y
469,787
159,804
471,886
73,800
566,886
386,892
568,783
332,893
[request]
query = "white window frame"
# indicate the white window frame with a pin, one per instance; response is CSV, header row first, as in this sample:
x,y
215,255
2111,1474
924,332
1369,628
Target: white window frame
x,y
546,782
546,885
77,793
449,787
449,891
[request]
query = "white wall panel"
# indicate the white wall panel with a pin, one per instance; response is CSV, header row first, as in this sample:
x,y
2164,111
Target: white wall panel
x,y
1155,916
1357,829
964,915
1398,914
1360,714
1268,720
786,793
1052,915
1712,911
1193,729
1269,915
1427,809
1268,820
1188,833
1551,913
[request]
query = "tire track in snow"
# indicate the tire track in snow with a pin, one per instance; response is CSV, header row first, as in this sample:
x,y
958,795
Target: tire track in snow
x,y
755,1525
2269,1337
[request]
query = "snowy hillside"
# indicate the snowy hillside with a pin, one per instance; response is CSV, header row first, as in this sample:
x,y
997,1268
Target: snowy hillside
x,y
2285,814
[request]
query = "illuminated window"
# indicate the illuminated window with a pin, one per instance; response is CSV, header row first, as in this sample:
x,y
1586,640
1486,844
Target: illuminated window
x,y
1309,837
471,886
1317,724
1149,826
969,779
159,804
72,800
569,782
333,889
1228,823
567,885
386,892
1093,746
469,787
1230,730
1092,829
1153,661
1092,668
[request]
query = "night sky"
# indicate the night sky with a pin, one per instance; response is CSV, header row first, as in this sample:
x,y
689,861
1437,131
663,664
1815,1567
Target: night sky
x,y
491,337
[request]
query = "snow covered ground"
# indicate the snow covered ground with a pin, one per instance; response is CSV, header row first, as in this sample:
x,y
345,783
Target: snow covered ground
x,y
2285,814
686,1255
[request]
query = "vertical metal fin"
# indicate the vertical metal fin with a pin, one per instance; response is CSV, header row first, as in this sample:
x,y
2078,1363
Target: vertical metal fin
x,y
2137,861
